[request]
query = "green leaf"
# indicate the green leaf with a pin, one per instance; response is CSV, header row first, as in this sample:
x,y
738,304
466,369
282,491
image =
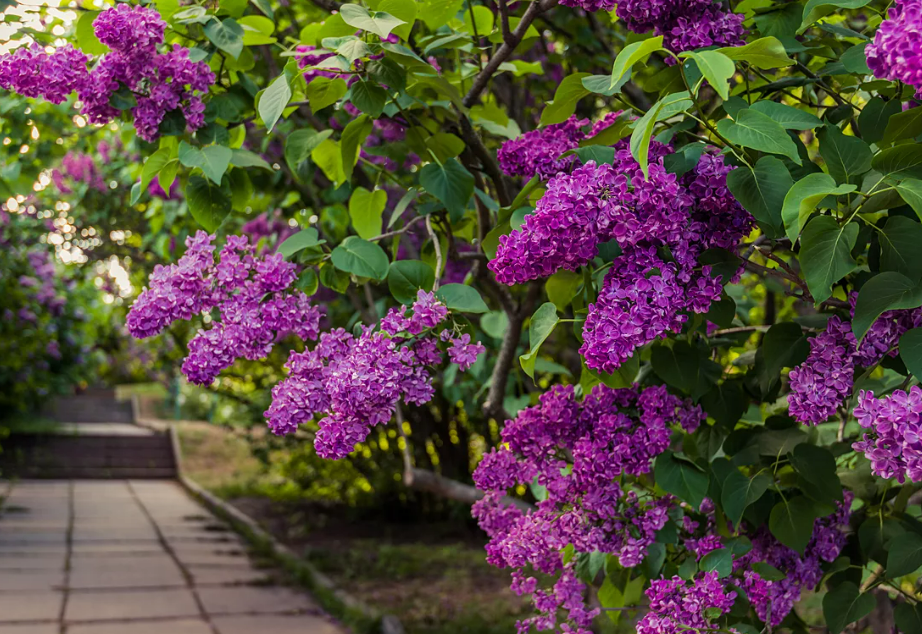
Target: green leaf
x,y
405,10
817,469
825,254
846,157
681,478
86,36
737,492
273,101
908,618
631,54
904,555
911,351
462,298
436,13
304,239
152,167
366,209
899,241
845,604
761,190
323,92
215,161
816,9
910,190
755,130
368,97
875,117
227,35
643,129
791,522
542,325
716,68
902,161
450,183
764,53
804,196
769,573
685,368
883,292
724,403
784,346
351,47
328,158
246,158
378,22
720,560
790,118
568,93
601,85
445,145
407,277
361,258
300,144
208,203
495,323
903,126
167,175
562,286
354,134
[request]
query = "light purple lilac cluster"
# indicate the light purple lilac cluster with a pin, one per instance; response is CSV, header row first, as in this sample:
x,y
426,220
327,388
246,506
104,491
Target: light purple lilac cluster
x,y
250,293
80,168
822,383
160,83
896,52
678,606
645,294
578,451
684,24
894,445
774,600
268,225
357,381
538,151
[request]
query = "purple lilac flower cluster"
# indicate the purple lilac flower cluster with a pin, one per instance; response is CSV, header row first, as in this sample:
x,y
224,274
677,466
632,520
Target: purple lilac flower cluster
x,y
894,447
577,451
676,606
267,225
250,294
774,600
645,295
385,131
590,5
160,83
824,381
684,24
357,382
309,57
538,151
896,52
81,168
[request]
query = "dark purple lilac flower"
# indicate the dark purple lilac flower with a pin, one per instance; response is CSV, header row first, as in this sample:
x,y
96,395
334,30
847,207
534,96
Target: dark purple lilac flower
x,y
894,444
538,152
896,52
677,607
684,24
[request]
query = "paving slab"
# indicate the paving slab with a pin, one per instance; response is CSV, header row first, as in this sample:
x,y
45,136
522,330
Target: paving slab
x,y
47,628
301,624
171,626
130,604
31,580
228,575
254,600
32,606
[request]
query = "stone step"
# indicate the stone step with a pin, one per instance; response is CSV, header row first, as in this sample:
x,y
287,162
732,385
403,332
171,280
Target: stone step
x,y
89,409
52,456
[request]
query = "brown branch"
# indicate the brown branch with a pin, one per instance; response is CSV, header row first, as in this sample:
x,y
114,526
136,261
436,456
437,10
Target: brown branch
x,y
424,480
490,166
505,50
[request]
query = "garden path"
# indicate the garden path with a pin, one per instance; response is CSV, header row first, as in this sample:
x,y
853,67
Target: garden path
x,y
134,557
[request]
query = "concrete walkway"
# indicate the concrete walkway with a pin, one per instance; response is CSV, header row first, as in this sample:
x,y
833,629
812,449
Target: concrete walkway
x,y
134,557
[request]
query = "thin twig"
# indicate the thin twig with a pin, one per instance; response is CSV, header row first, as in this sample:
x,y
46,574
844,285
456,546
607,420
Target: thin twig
x,y
438,252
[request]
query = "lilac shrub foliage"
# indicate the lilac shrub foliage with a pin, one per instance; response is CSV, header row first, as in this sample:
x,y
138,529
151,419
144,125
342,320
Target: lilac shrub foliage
x,y
669,321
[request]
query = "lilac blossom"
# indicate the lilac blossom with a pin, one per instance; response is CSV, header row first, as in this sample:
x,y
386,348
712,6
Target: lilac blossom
x,y
538,152
893,445
896,52
677,607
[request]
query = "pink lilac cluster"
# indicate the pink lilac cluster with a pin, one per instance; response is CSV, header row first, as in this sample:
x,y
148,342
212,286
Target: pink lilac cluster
x,y
896,52
774,600
81,168
677,606
684,24
578,451
644,295
160,83
822,383
357,381
894,445
250,294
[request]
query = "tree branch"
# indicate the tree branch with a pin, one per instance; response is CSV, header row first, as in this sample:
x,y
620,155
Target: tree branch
x,y
423,480
505,50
